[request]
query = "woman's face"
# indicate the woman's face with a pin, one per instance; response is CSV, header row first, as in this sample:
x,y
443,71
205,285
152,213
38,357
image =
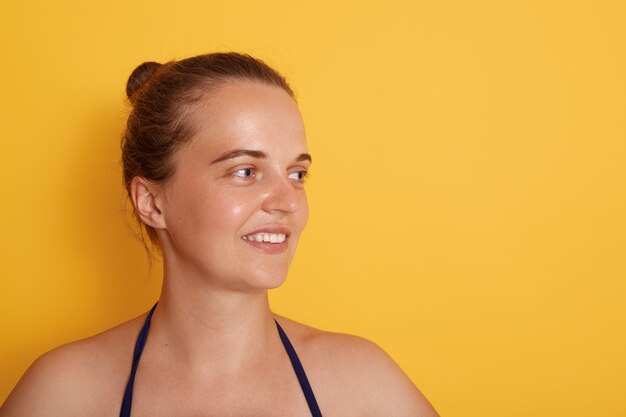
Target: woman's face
x,y
236,205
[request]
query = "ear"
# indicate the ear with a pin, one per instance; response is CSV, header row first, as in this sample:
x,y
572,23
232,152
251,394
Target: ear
x,y
146,197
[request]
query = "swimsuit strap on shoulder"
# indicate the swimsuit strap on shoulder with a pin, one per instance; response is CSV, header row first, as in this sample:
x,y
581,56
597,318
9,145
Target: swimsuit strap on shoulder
x,y
139,345
302,378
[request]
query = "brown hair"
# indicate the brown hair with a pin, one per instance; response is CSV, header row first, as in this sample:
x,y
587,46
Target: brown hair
x,y
161,94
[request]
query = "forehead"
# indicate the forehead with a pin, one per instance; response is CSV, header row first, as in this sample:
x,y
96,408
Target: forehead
x,y
247,115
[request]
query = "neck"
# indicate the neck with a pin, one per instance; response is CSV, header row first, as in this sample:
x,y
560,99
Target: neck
x,y
212,329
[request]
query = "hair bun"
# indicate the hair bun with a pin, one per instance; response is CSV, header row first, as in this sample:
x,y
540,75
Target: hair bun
x,y
139,76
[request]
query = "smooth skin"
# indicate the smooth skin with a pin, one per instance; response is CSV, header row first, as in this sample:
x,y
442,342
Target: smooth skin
x,y
213,348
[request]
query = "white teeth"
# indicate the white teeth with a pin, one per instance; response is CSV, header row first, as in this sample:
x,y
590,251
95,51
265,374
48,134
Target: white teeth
x,y
266,237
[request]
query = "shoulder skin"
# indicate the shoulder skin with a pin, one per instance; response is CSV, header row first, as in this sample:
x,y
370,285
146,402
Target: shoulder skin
x,y
351,375
86,377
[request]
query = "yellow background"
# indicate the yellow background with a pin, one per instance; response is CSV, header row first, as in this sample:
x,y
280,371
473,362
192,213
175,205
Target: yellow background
x,y
468,191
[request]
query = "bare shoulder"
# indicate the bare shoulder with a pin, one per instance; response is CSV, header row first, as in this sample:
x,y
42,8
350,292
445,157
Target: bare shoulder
x,y
353,376
77,379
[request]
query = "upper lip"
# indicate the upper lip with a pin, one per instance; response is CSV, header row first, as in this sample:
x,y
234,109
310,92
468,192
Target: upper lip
x,y
275,229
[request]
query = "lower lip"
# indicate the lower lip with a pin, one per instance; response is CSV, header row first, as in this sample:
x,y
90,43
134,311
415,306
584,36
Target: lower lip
x,y
271,248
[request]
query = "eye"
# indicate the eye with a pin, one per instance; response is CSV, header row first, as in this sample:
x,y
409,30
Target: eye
x,y
244,173
298,176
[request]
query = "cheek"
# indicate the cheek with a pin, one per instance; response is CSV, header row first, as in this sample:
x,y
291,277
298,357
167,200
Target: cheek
x,y
204,212
303,213
224,213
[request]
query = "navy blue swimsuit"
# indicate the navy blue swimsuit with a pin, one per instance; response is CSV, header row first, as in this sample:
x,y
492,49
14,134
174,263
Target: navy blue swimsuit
x,y
295,362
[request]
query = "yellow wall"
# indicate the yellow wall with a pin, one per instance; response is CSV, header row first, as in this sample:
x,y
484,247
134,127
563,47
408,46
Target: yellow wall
x,y
468,194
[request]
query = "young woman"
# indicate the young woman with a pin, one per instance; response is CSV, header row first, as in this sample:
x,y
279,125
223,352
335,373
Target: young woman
x,y
214,160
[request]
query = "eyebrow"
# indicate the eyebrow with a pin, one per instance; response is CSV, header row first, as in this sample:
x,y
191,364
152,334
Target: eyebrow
x,y
236,153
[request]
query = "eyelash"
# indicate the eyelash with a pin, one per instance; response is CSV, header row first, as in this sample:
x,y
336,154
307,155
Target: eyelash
x,y
303,175
251,172
243,169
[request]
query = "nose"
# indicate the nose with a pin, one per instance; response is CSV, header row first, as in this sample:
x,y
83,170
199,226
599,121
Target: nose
x,y
282,195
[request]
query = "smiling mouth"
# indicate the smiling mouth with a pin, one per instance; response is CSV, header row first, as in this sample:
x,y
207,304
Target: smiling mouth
x,y
266,237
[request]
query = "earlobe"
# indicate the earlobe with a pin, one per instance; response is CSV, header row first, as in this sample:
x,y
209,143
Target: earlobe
x,y
145,196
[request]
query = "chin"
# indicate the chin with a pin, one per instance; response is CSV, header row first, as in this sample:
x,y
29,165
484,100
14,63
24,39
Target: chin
x,y
272,281
264,274
267,279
